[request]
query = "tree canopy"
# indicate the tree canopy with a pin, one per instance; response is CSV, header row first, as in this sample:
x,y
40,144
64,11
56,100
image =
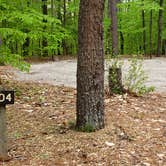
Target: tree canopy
x,y
24,26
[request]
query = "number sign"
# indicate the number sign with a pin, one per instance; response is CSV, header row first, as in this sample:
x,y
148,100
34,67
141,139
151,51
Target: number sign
x,y
6,97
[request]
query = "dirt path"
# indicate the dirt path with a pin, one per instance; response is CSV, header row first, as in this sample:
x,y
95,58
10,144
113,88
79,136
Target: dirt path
x,y
64,73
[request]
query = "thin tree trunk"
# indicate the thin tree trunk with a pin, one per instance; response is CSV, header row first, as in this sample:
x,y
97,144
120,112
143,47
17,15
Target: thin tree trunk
x,y
114,25
121,34
164,47
121,43
44,41
52,26
144,30
64,24
26,44
59,16
159,29
52,8
90,66
151,26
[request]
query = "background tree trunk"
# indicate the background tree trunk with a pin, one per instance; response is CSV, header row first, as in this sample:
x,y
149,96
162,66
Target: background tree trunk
x,y
114,25
64,25
150,31
144,31
90,67
45,12
159,29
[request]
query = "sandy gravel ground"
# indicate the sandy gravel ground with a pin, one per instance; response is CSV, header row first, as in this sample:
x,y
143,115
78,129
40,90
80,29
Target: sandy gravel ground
x,y
64,73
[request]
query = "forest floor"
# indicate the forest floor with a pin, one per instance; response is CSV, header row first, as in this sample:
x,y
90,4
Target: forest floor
x,y
63,72
40,129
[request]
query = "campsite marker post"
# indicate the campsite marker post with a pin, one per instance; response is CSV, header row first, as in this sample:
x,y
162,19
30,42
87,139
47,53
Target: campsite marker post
x,y
6,97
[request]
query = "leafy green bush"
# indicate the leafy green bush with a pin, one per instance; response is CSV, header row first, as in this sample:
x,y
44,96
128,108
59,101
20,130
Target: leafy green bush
x,y
15,60
136,77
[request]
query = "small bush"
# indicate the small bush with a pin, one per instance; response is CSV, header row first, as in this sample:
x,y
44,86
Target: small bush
x,y
136,77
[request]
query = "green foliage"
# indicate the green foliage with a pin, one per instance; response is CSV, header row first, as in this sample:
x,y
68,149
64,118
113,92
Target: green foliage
x,y
136,77
116,87
72,124
7,58
130,25
87,128
21,20
114,66
19,23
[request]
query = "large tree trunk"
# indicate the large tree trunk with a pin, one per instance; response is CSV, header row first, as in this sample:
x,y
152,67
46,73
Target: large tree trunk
x,y
159,29
114,25
90,67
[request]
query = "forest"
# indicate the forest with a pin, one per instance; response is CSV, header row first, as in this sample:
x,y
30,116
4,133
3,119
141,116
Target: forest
x,y
82,82
48,28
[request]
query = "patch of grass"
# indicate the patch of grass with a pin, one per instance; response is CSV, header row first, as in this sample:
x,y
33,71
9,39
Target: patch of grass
x,y
17,135
17,91
87,128
72,124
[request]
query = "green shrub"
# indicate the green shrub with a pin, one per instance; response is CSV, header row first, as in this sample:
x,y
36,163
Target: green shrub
x,y
136,77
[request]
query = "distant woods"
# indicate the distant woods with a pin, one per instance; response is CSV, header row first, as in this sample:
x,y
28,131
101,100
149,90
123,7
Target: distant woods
x,y
32,28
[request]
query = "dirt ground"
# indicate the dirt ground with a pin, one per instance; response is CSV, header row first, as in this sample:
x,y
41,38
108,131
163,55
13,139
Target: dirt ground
x,y
40,129
64,73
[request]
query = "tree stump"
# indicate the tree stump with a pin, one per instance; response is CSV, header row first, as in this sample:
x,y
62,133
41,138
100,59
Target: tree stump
x,y
115,81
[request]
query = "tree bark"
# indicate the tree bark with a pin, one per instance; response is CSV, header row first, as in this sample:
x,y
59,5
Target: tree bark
x,y
115,81
151,26
45,12
121,43
144,31
164,47
114,25
159,29
121,33
90,66
64,25
52,26
59,16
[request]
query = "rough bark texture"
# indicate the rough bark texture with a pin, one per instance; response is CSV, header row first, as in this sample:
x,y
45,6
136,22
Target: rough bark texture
x,y
3,137
114,25
159,29
90,67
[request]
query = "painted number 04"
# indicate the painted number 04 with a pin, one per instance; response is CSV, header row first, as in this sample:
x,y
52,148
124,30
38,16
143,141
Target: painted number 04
x,y
3,97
